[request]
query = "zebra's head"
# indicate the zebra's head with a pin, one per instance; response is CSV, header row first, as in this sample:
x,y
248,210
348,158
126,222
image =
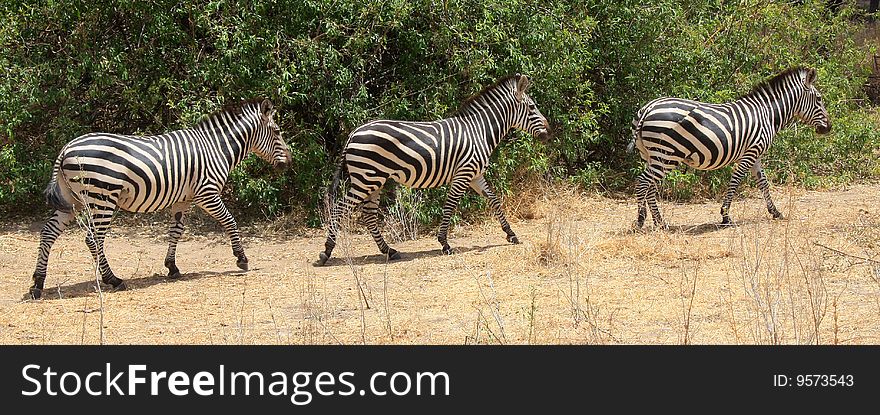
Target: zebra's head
x,y
268,143
528,117
810,109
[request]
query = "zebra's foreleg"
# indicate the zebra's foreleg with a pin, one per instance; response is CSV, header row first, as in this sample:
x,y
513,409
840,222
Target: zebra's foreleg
x,y
96,230
174,233
738,175
343,207
51,230
482,187
456,190
371,218
764,185
215,207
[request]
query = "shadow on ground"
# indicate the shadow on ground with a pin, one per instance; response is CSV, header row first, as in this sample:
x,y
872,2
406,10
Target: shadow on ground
x,y
404,256
88,288
700,229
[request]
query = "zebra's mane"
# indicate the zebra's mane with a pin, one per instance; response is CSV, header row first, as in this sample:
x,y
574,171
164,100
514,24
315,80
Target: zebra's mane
x,y
234,109
774,82
469,104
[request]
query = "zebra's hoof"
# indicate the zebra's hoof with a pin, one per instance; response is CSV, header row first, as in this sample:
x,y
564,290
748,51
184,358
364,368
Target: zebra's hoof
x,y
777,215
725,221
242,264
119,287
393,255
322,259
35,293
447,250
512,239
173,271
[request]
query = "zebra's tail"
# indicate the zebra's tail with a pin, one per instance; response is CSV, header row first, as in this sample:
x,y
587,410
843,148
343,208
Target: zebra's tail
x,y
54,193
637,123
636,131
333,190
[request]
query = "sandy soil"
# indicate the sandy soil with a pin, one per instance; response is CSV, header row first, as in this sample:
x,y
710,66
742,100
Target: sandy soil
x,y
581,275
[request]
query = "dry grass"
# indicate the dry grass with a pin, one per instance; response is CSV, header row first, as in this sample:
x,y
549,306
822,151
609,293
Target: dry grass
x,y
580,276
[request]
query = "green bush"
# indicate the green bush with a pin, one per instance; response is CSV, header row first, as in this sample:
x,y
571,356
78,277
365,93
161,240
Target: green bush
x,y
75,66
716,51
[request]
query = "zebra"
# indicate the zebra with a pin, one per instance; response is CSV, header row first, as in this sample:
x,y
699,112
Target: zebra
x,y
422,155
98,173
673,131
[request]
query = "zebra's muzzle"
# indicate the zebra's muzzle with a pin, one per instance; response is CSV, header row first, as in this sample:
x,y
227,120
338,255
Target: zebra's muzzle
x,y
544,136
824,129
283,162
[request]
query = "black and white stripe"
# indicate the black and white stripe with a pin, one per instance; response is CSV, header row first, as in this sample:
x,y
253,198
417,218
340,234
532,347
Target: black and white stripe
x,y
452,151
97,173
673,131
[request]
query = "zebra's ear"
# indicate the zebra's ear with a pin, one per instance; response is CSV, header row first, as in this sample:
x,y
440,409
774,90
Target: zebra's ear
x,y
810,77
522,84
267,108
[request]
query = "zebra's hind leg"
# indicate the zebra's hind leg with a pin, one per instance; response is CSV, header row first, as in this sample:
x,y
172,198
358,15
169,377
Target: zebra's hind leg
x,y
764,185
214,206
480,185
655,209
342,207
646,194
100,217
371,217
174,233
745,164
643,186
457,189
51,230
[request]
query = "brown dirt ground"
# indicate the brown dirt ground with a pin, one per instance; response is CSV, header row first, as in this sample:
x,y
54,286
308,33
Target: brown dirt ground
x,y
581,275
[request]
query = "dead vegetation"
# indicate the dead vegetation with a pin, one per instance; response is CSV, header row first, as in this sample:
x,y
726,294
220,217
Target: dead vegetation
x,y
581,276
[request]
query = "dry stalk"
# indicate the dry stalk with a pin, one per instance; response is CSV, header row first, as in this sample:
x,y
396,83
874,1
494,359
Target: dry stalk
x,y
839,252
401,218
764,301
687,309
315,310
241,312
274,323
85,221
531,314
494,307
476,335
385,300
344,241
730,313
82,339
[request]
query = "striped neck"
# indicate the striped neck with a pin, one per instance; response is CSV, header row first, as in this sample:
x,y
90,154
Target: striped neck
x,y
492,111
232,132
780,96
494,123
